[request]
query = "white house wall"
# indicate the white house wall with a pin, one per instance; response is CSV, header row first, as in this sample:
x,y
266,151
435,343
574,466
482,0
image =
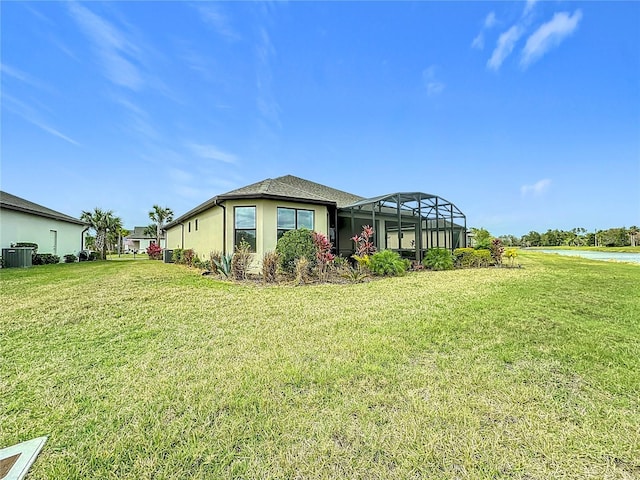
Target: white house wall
x,y
18,227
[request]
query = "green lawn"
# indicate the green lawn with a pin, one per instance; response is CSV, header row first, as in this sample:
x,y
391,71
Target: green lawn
x,y
140,370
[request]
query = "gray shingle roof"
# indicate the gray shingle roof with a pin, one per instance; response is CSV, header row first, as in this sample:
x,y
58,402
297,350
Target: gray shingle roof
x,y
294,188
11,202
286,187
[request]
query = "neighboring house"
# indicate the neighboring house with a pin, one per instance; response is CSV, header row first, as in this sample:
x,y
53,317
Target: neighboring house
x,y
138,242
260,213
25,221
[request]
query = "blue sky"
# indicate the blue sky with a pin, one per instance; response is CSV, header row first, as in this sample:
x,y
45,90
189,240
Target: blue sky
x,y
525,114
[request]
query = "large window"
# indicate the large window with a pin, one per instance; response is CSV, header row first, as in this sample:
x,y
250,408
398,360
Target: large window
x,y
293,219
245,226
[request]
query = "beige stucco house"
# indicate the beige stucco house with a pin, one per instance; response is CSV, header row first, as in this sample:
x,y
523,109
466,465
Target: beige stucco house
x,y
261,212
25,221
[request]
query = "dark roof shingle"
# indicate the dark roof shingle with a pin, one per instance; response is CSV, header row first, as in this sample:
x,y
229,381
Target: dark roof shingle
x,y
12,202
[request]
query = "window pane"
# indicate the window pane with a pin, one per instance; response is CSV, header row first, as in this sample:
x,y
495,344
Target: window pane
x,y
245,217
305,219
286,218
248,236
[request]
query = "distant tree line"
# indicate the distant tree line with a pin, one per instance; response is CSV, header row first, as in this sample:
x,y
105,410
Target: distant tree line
x,y
577,237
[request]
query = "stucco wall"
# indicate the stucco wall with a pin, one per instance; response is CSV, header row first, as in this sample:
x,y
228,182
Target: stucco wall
x,y
209,235
204,240
24,227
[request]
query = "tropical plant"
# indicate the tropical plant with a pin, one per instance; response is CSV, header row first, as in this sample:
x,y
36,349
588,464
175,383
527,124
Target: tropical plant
x,y
438,259
511,254
269,267
241,261
364,245
101,221
160,217
388,262
223,265
324,257
354,274
496,249
481,238
295,244
214,258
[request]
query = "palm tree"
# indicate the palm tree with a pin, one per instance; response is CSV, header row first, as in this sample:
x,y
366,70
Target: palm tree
x,y
160,216
101,221
633,232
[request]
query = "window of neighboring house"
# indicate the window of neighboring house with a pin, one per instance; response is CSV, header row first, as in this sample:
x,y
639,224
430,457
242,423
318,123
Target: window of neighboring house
x,y
245,226
189,227
293,219
196,224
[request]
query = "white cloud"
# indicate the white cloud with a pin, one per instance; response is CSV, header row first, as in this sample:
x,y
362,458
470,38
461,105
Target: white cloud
x,y
506,43
211,152
537,188
115,51
549,35
212,15
490,21
528,7
478,42
432,83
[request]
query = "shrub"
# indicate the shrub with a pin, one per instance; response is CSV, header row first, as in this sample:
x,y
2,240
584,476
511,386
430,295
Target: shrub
x,y
214,259
241,260
295,244
154,251
188,257
511,254
484,257
45,259
438,259
354,274
496,249
177,255
465,257
269,267
324,257
388,262
70,258
34,246
303,269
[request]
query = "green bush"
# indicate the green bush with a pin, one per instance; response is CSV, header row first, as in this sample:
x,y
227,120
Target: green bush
x,y
388,262
484,257
70,258
177,255
465,257
295,244
438,259
45,259
34,246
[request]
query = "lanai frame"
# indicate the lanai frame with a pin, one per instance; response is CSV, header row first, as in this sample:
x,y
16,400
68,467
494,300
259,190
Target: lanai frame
x,y
430,210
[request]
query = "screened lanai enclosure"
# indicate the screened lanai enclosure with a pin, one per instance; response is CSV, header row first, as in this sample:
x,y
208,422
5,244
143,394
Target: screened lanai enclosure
x,y
409,223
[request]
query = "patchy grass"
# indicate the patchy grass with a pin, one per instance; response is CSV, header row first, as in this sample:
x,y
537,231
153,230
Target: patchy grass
x,y
145,370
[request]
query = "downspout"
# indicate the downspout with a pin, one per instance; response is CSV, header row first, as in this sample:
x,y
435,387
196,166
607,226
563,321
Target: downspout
x,y
224,228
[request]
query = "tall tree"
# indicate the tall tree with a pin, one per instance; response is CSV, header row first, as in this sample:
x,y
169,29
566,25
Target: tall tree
x,y
101,221
160,216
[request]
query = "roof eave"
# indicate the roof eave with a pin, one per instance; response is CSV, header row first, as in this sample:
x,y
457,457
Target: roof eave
x,y
42,214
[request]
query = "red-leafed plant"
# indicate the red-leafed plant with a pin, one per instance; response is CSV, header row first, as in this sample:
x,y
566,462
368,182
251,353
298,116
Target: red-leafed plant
x,y
323,253
364,244
154,251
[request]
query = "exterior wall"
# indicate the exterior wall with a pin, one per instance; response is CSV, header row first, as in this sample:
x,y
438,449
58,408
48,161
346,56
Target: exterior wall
x,y
24,227
140,245
204,240
267,224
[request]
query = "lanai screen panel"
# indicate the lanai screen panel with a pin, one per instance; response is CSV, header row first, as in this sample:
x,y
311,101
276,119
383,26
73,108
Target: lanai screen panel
x,y
410,222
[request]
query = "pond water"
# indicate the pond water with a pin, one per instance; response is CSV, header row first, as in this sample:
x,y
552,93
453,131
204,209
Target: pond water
x,y
592,255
